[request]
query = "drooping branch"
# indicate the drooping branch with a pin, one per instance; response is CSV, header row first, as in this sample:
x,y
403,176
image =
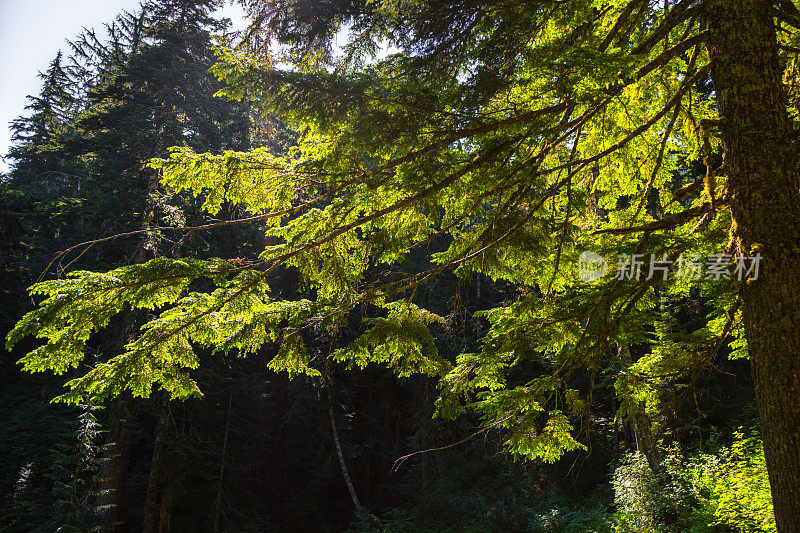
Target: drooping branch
x,y
622,20
681,12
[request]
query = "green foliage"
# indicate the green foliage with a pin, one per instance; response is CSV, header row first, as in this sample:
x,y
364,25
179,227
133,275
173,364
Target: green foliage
x,y
733,487
648,501
251,179
512,409
238,315
513,136
50,458
723,491
75,476
402,341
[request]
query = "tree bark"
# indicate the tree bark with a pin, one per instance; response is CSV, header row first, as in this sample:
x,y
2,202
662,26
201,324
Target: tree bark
x,y
220,480
427,508
642,425
764,187
113,477
165,510
347,481
154,482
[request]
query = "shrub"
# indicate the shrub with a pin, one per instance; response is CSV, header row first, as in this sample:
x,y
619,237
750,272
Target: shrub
x,y
733,487
650,501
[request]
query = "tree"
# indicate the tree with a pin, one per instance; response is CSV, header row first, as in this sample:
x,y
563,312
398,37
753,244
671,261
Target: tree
x,y
516,136
120,99
37,137
764,186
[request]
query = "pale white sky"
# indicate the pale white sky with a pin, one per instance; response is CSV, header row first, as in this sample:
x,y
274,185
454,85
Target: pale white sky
x,y
32,32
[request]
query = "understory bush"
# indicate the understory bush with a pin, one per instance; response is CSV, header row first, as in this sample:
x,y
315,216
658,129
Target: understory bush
x,y
732,486
727,491
649,501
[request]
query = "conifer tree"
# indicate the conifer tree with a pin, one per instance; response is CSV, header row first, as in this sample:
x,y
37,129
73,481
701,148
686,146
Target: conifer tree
x,y
137,88
523,134
77,505
37,137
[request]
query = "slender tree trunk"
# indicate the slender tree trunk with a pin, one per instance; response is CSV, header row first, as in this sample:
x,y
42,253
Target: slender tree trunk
x,y
764,186
113,477
615,426
427,509
626,436
165,509
154,482
361,512
642,425
350,488
218,503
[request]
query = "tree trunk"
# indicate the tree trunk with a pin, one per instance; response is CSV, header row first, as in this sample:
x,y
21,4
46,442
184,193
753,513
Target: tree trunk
x,y
361,512
645,440
220,480
154,482
114,471
427,509
642,425
764,186
165,510
347,481
626,436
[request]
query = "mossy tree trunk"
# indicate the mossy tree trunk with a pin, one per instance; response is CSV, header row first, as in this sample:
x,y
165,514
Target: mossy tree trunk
x,y
764,187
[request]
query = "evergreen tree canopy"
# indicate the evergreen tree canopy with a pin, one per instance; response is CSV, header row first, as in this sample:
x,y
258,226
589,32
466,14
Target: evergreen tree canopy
x,y
508,137
36,136
118,100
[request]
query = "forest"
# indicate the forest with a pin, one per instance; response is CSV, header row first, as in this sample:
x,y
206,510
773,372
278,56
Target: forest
x,y
407,265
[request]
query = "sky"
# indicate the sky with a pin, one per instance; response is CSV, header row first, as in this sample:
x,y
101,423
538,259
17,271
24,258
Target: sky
x,y
32,32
